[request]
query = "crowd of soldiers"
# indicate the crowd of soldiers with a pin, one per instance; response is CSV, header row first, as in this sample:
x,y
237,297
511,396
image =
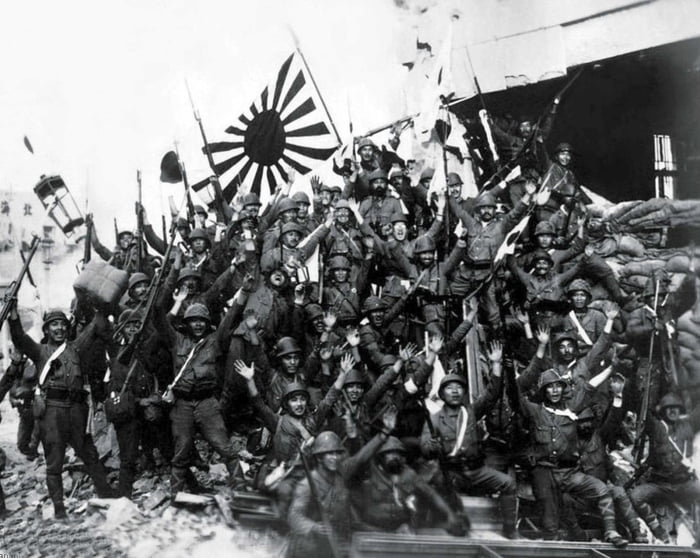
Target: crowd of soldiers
x,y
356,384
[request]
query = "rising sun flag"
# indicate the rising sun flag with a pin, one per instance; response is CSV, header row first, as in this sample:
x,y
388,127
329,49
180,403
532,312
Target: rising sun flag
x,y
286,127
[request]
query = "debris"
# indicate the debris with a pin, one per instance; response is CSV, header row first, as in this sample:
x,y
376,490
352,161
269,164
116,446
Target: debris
x,y
192,499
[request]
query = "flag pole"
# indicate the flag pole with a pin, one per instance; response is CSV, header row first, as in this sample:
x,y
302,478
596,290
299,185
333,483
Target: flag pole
x,y
313,81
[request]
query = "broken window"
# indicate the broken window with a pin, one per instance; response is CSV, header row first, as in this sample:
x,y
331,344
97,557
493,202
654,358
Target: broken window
x,y
665,167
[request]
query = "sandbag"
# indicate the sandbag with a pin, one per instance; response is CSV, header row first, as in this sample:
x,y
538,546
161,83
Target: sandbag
x,y
101,282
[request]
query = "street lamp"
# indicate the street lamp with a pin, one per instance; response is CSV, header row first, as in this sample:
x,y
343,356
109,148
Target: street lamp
x,y
59,203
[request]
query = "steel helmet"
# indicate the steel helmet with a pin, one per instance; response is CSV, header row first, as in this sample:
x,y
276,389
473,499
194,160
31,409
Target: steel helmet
x,y
399,217
567,334
188,272
301,197
373,303
182,223
542,255
377,174
294,388
197,310
200,209
392,444
326,442
671,400
287,346
563,146
251,199
387,360
355,376
486,199
313,311
342,204
579,285
122,233
200,234
545,227
365,142
449,378
292,227
427,174
396,173
287,204
129,315
137,278
453,179
424,244
549,376
339,262
52,316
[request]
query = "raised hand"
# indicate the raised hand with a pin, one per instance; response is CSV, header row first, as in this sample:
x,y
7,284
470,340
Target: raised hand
x,y
495,352
353,337
329,319
326,354
180,294
248,282
347,363
248,372
405,353
389,418
617,385
542,335
436,343
530,187
521,315
354,206
612,312
315,184
299,294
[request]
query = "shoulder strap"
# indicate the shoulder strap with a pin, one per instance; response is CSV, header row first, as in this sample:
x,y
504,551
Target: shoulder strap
x,y
187,361
462,420
45,370
579,328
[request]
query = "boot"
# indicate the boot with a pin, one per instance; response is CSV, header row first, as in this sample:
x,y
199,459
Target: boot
x,y
177,480
509,512
3,509
54,484
607,512
98,474
659,532
126,481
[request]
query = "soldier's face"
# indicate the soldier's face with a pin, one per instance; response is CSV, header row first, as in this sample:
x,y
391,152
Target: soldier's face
x,y
325,196
553,392
452,394
399,231
130,330
290,363
379,187
542,267
331,460
198,327
354,392
184,232
303,211
288,216
125,241
487,213
455,190
567,350
57,330
278,278
396,182
377,318
139,290
340,275
544,241
366,153
672,413
343,215
318,324
426,259
392,462
525,128
564,158
296,404
291,239
252,209
579,299
199,245
191,284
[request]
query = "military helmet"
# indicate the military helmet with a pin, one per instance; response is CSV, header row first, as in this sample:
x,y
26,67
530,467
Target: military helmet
x,y
251,199
373,303
123,232
671,400
377,174
567,334
182,223
449,378
563,146
545,227
301,197
129,315
365,142
326,442
199,209
424,244
542,255
355,376
187,272
339,262
386,361
399,217
486,199
579,285
52,316
396,173
293,388
427,173
342,204
137,278
549,376
197,310
287,204
292,227
313,311
287,346
200,234
453,179
392,444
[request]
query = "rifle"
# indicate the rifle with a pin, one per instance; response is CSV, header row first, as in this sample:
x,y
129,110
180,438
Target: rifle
x,y
335,549
140,256
13,288
116,232
638,449
128,353
87,248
